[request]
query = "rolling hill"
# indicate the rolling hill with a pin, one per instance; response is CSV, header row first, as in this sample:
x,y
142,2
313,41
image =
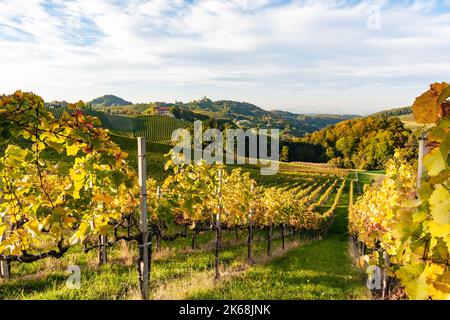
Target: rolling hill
x,y
404,114
394,112
241,114
109,101
248,115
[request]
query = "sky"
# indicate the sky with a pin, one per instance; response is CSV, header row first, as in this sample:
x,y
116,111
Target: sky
x,y
320,56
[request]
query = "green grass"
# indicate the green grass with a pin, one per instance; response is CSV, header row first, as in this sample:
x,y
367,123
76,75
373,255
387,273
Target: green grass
x,y
320,270
46,279
409,121
369,176
366,177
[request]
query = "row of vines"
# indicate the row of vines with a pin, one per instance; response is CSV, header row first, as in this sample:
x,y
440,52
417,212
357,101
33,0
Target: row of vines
x,y
64,183
403,222
155,128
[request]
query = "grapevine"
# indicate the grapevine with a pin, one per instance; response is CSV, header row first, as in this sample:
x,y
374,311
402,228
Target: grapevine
x,y
411,224
64,183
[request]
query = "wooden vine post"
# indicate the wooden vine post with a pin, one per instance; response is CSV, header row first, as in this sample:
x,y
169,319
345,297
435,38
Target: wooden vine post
x,y
250,232
420,172
422,143
269,239
194,233
102,254
386,279
218,227
4,270
143,263
4,265
158,235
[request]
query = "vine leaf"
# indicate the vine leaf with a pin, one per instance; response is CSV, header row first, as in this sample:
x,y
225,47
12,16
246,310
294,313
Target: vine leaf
x,y
428,108
440,205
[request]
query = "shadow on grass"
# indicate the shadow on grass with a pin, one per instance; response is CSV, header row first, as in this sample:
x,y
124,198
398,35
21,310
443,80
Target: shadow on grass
x,y
309,272
16,288
106,282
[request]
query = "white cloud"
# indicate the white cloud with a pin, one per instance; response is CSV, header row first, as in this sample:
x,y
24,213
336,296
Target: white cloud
x,y
273,53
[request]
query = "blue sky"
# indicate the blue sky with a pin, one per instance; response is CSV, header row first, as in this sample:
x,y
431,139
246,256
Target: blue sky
x,y
302,56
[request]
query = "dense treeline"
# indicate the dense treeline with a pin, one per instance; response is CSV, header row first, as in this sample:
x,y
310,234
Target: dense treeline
x,y
302,151
364,143
394,112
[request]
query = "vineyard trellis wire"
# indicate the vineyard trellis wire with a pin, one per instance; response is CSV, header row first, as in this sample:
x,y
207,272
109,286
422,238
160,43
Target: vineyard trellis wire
x,y
65,183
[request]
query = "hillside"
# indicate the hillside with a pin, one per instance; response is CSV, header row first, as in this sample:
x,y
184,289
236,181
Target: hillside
x,y
363,143
409,121
404,114
394,112
109,101
241,114
248,115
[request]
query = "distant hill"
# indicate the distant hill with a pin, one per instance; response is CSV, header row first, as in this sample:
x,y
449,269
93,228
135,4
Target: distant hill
x,y
109,101
405,115
240,114
394,112
247,115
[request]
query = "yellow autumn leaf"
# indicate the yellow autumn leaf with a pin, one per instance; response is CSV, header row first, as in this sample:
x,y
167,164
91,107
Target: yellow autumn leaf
x,y
72,150
3,228
434,162
440,205
438,230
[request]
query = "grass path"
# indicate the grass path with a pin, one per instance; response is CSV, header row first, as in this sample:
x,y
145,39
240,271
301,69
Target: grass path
x,y
198,282
320,270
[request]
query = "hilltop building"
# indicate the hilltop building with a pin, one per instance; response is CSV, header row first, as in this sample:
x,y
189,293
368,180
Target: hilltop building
x,y
164,111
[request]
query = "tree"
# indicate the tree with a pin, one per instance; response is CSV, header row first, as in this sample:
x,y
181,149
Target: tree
x,y
284,156
365,142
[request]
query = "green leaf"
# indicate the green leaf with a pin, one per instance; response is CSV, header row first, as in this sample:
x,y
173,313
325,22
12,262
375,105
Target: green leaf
x,y
17,155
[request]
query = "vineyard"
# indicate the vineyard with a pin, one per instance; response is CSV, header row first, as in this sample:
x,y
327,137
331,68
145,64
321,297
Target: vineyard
x,y
73,199
66,187
155,128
